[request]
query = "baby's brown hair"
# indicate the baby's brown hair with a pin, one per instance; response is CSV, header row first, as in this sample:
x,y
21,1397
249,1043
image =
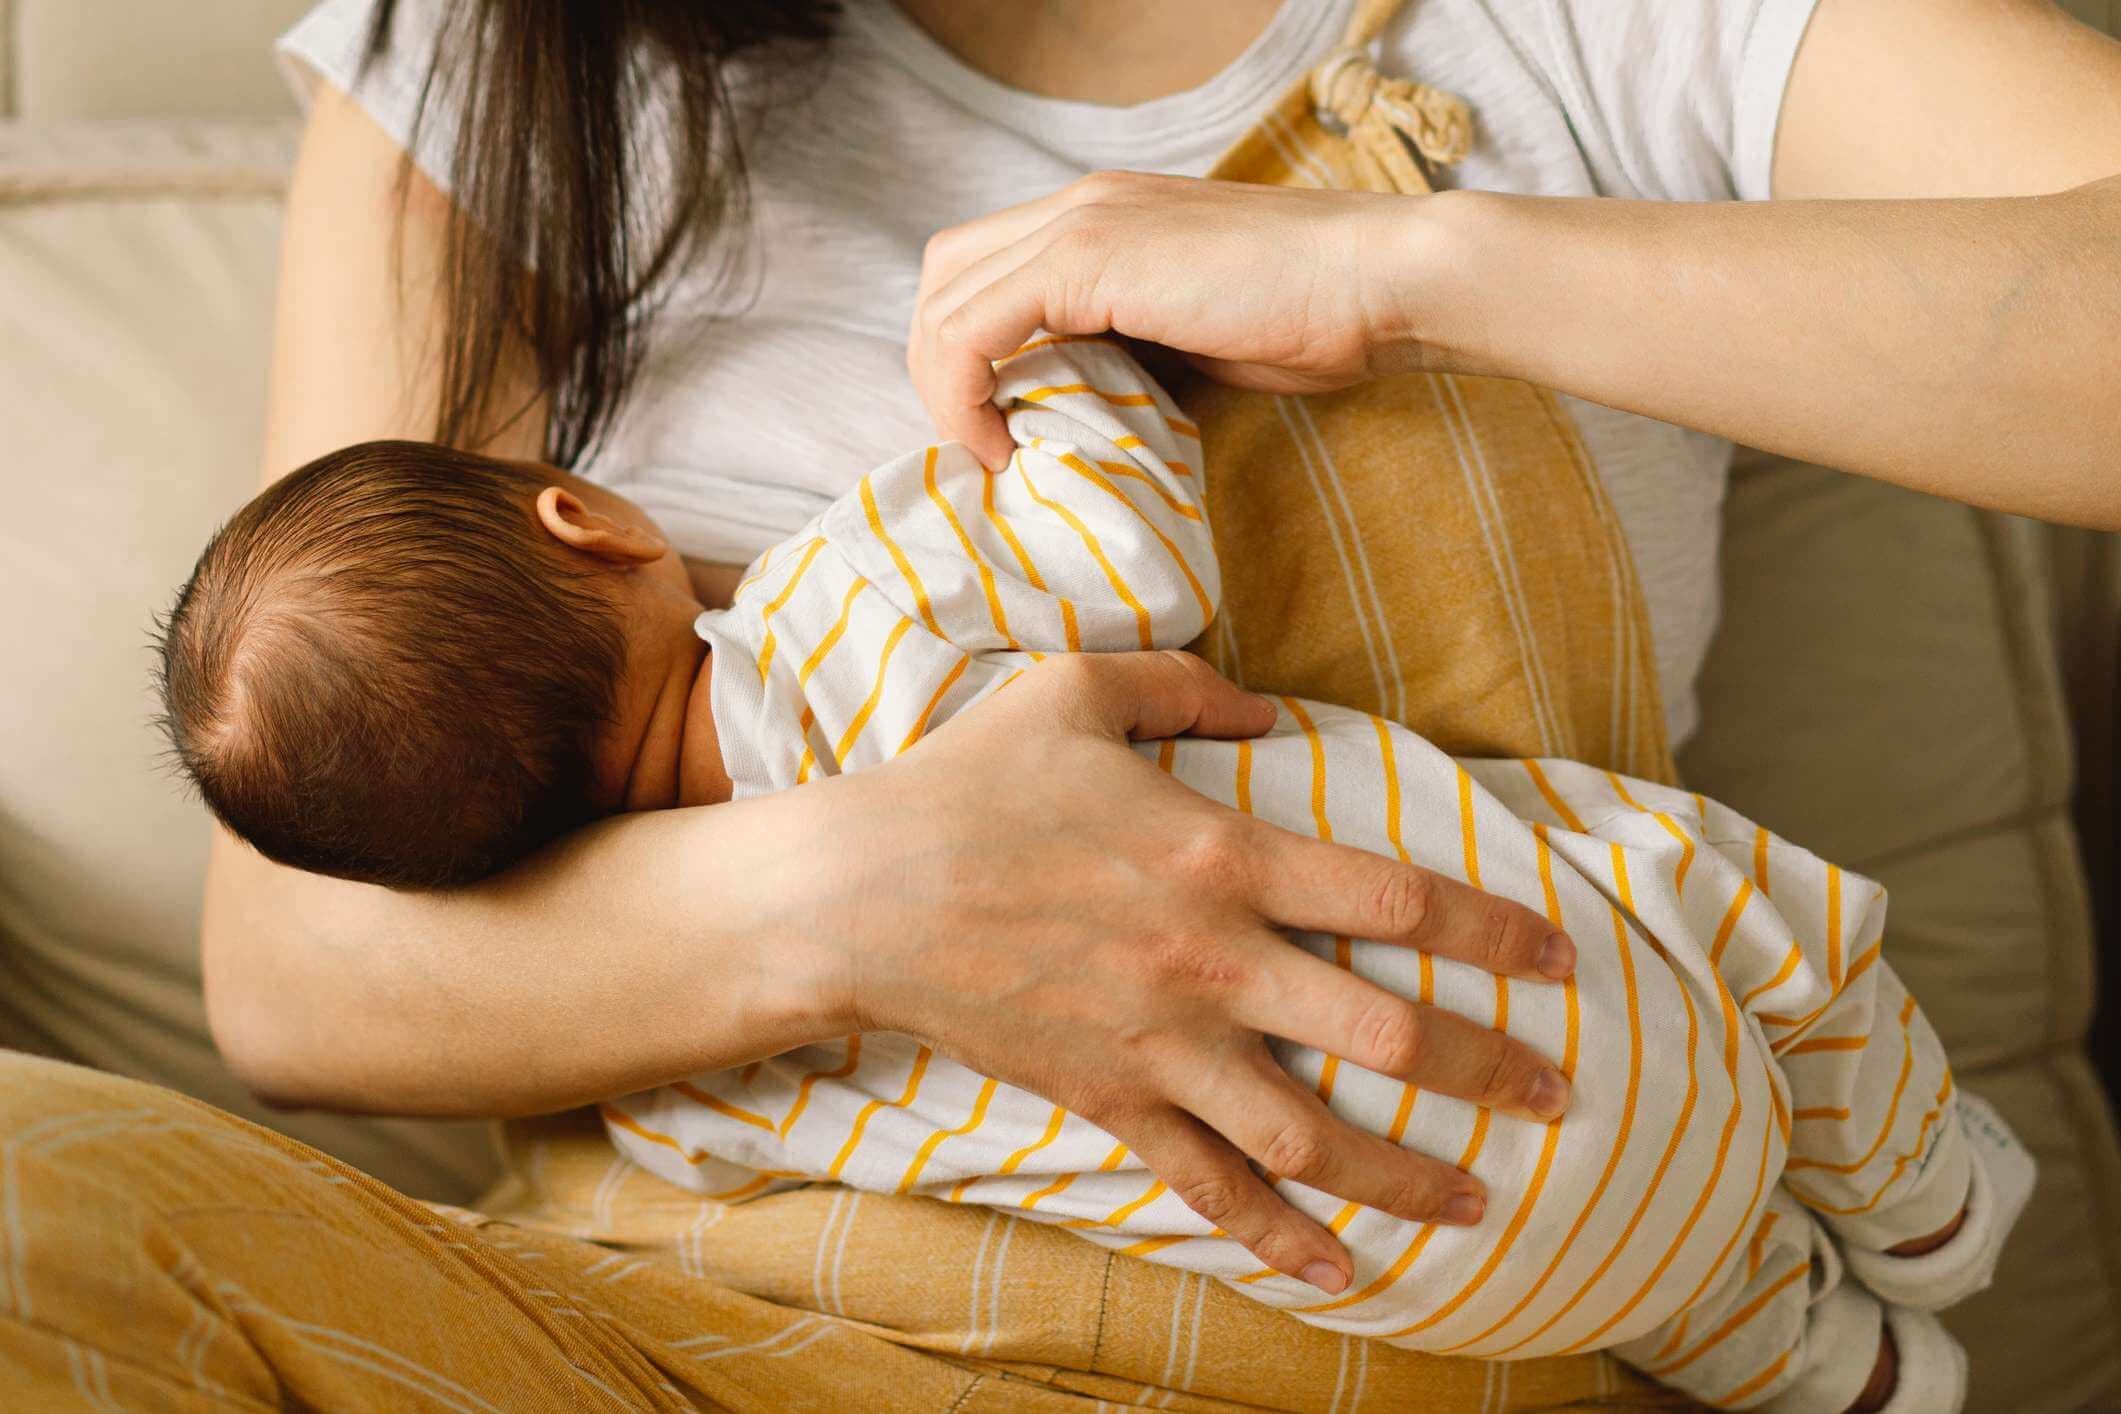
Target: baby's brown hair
x,y
383,670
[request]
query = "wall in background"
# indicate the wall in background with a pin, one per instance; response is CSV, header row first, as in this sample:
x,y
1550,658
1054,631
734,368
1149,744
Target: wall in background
x,y
69,59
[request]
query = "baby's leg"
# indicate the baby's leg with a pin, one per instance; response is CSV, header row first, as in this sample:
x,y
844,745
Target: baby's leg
x,y
1788,1330
1880,1145
1919,1183
1880,1148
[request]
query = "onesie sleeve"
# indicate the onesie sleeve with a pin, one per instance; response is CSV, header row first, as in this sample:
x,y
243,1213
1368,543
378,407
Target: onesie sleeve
x,y
1093,539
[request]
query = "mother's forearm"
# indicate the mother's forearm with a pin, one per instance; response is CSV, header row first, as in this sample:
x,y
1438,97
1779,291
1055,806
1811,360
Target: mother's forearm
x,y
640,950
1970,348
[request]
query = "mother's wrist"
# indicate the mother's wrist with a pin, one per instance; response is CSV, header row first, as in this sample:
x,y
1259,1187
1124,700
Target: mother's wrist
x,y
1428,264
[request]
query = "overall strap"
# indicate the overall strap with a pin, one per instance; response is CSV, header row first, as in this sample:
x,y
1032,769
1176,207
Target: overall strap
x,y
1330,509
1369,20
1398,126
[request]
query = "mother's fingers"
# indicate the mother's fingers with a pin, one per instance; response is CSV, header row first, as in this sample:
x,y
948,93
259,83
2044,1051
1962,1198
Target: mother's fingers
x,y
1328,888
952,359
1313,1003
1288,1131
1142,697
954,249
1212,1178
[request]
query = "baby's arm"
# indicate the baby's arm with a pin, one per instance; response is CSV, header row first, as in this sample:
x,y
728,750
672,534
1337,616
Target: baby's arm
x,y
1093,539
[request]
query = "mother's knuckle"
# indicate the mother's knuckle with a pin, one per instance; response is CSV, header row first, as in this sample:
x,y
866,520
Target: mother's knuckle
x,y
1390,1035
1494,953
1179,660
1214,1196
1071,674
1194,959
1104,185
1402,900
1408,1196
1212,850
1495,1070
1297,1150
1080,238
936,250
951,328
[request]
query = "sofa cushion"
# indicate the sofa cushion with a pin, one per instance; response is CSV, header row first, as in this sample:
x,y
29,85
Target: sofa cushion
x,y
135,297
1885,689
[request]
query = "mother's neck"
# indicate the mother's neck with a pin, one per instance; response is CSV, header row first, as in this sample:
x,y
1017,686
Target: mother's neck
x,y
1096,51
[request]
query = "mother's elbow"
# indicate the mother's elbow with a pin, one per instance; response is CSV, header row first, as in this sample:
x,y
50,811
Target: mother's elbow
x,y
258,998
260,1043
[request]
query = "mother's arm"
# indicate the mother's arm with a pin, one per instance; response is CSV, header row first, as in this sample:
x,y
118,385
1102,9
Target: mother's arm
x,y
1955,327
1021,889
327,993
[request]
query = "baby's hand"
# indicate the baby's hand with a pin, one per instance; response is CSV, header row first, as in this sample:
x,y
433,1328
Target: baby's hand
x,y
1885,1374
1922,1246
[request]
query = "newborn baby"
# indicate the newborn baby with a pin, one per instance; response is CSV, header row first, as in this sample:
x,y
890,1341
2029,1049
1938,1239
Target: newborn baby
x,y
413,666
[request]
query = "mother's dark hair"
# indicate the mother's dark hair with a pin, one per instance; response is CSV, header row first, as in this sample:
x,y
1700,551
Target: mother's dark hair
x,y
554,240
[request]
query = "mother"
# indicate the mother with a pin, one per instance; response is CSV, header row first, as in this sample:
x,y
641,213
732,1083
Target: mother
x,y
1127,970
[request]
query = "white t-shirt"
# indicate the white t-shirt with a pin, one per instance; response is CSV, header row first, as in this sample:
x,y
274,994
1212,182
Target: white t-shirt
x,y
729,439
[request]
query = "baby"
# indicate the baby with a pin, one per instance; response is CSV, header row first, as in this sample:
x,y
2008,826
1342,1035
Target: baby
x,y
413,666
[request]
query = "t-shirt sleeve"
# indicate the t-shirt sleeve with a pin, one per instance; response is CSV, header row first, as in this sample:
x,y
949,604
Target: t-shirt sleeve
x,y
1676,102
328,45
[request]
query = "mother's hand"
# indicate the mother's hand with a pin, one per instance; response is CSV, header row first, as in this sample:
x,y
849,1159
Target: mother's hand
x,y
1109,941
1266,287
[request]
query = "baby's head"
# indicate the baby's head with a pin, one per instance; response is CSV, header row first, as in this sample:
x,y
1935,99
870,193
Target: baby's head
x,y
406,665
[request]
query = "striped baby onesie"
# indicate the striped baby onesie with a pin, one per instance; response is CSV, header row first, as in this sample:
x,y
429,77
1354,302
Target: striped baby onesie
x,y
1760,1107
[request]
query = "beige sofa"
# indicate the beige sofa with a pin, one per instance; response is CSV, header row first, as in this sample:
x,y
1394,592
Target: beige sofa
x,y
1919,690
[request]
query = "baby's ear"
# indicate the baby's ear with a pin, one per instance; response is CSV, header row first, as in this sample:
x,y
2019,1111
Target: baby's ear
x,y
568,519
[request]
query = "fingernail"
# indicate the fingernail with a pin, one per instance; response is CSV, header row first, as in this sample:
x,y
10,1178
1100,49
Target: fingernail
x,y
1326,1277
1557,956
1464,1210
1268,703
1550,1095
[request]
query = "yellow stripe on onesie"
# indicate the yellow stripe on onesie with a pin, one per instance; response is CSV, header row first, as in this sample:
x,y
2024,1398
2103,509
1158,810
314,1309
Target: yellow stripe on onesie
x,y
1752,1083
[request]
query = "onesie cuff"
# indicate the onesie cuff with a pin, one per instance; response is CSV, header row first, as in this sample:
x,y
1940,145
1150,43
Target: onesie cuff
x,y
1924,1201
2000,1174
1841,1340
1932,1366
1839,1351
